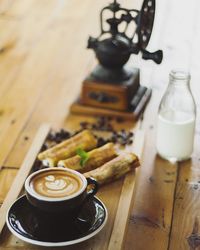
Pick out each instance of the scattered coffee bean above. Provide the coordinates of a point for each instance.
(130, 134)
(44, 147)
(59, 136)
(122, 137)
(130, 142)
(38, 166)
(84, 125)
(101, 141)
(119, 120)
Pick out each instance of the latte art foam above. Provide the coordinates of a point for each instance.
(56, 184)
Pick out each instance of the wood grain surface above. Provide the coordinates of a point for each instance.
(43, 60)
(121, 191)
(23, 172)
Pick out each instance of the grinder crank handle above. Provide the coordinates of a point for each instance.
(156, 56)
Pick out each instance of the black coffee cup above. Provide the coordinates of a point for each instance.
(70, 204)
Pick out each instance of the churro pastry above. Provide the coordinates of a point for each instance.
(115, 168)
(84, 140)
(96, 158)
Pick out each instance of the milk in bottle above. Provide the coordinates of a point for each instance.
(176, 119)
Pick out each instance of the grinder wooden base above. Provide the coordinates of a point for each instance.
(104, 93)
(138, 103)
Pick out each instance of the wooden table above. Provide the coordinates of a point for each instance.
(42, 63)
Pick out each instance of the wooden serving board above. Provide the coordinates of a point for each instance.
(117, 196)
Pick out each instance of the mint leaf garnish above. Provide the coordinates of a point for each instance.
(83, 155)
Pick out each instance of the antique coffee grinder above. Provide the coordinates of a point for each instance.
(113, 88)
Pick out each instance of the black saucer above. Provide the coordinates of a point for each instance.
(39, 228)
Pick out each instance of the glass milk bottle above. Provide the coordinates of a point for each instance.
(176, 119)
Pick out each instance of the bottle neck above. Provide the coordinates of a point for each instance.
(180, 78)
(178, 103)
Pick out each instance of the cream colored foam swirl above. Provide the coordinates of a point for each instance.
(56, 185)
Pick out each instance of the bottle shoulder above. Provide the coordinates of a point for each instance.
(178, 101)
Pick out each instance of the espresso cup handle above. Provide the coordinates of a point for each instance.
(94, 189)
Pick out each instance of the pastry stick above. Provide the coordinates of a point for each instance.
(96, 158)
(67, 148)
(115, 168)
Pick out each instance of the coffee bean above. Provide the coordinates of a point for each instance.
(119, 120)
(83, 124)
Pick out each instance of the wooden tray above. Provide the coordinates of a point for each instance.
(117, 197)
